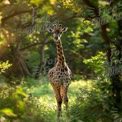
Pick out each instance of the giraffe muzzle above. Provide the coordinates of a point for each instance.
(56, 38)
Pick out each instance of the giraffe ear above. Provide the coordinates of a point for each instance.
(50, 30)
(64, 29)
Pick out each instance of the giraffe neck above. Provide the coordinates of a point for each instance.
(60, 53)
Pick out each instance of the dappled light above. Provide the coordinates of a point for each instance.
(60, 61)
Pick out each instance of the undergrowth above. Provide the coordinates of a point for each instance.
(34, 101)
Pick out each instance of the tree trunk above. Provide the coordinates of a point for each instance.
(42, 62)
(114, 78)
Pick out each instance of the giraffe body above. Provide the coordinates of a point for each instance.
(60, 75)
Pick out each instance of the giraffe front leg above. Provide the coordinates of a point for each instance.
(64, 96)
(58, 99)
(65, 99)
(59, 103)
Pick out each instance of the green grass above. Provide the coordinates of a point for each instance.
(44, 94)
(34, 101)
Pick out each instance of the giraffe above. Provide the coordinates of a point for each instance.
(60, 75)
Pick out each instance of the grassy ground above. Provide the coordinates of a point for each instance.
(34, 101)
(45, 95)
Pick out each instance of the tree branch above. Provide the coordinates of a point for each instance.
(15, 14)
(32, 45)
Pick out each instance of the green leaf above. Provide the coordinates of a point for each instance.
(4, 66)
(9, 112)
(36, 2)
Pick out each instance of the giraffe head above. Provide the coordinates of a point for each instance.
(57, 31)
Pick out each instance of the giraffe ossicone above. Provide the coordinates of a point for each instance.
(60, 75)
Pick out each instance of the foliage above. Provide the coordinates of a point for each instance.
(97, 64)
(4, 66)
(94, 101)
(26, 49)
(93, 105)
(18, 104)
(34, 100)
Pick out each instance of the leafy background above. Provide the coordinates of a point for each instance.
(27, 52)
